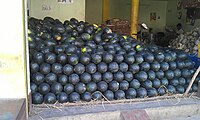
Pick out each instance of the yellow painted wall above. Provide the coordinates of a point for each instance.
(93, 11)
(12, 50)
(59, 11)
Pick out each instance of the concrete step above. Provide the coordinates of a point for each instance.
(154, 110)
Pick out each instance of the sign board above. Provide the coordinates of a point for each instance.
(65, 1)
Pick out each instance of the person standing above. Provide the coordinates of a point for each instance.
(179, 29)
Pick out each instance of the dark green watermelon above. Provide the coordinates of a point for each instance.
(85, 77)
(156, 83)
(91, 87)
(147, 84)
(151, 75)
(182, 81)
(97, 77)
(149, 58)
(102, 67)
(50, 98)
(145, 66)
(172, 65)
(185, 73)
(164, 66)
(160, 57)
(96, 58)
(107, 77)
(124, 85)
(56, 68)
(109, 95)
(181, 64)
(160, 74)
(73, 59)
(33, 87)
(164, 81)
(37, 98)
(155, 66)
(169, 74)
(44, 88)
(102, 86)
(177, 73)
(91, 68)
(34, 67)
(135, 68)
(45, 68)
(74, 79)
(161, 91)
(129, 59)
(141, 76)
(62, 58)
(59, 49)
(118, 58)
(119, 94)
(131, 93)
(79, 68)
(141, 92)
(50, 58)
(134, 84)
(113, 86)
(74, 97)
(118, 76)
(107, 57)
(97, 95)
(85, 59)
(68, 69)
(174, 82)
(139, 59)
(50, 78)
(37, 78)
(180, 89)
(80, 88)
(56, 88)
(113, 67)
(62, 97)
(123, 67)
(68, 88)
(38, 57)
(128, 76)
(152, 92)
(63, 79)
(86, 96)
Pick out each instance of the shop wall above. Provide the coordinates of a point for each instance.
(172, 12)
(93, 11)
(57, 10)
(172, 18)
(121, 9)
(158, 7)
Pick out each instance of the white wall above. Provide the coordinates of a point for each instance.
(60, 11)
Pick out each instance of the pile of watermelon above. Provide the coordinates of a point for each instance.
(77, 61)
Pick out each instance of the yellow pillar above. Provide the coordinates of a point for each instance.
(198, 50)
(105, 10)
(134, 18)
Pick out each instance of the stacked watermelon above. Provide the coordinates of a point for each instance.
(77, 61)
